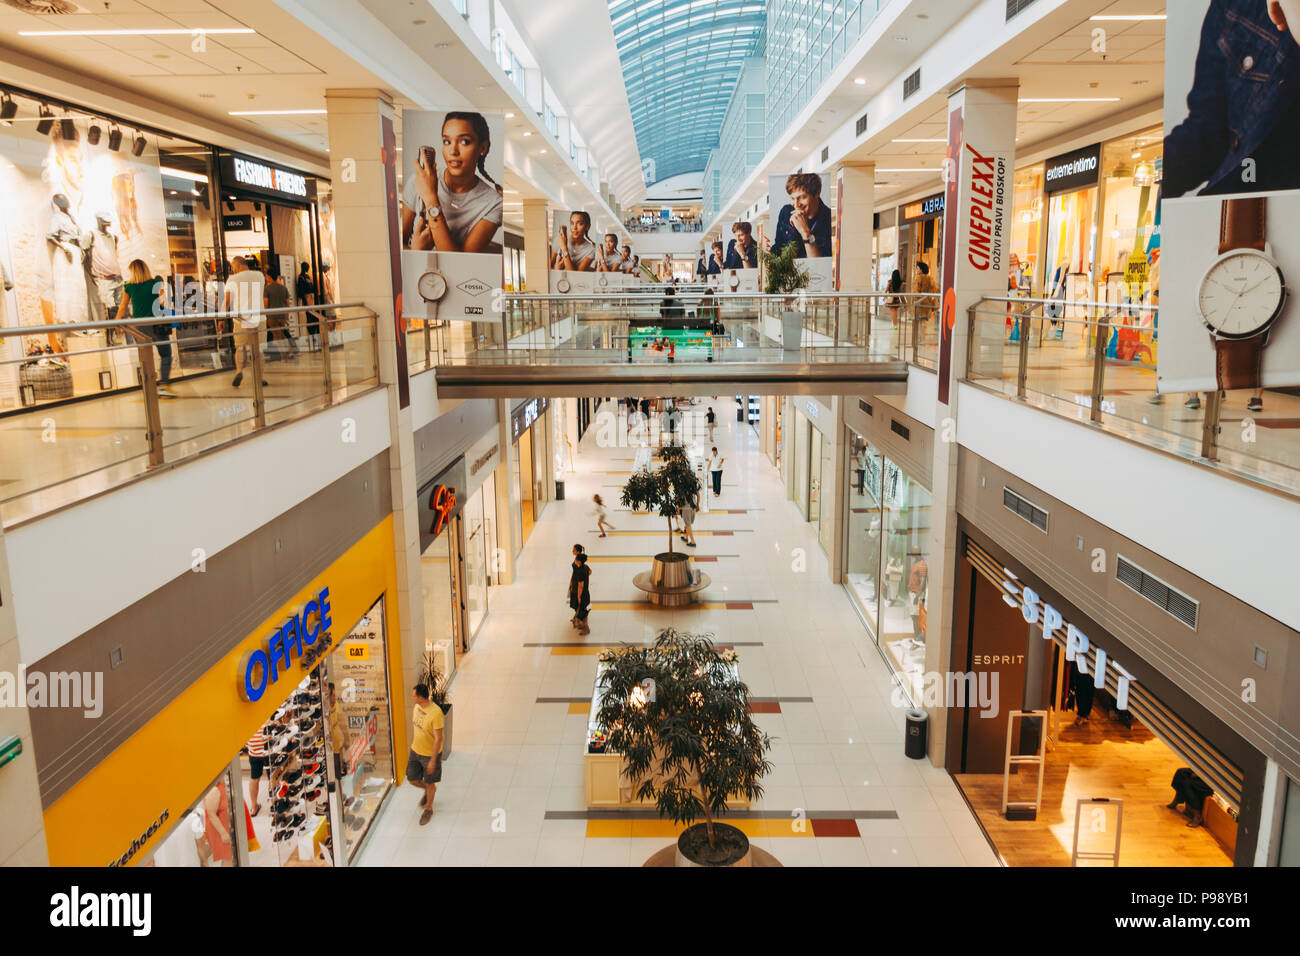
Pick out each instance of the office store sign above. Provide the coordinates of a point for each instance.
(304, 635)
(1037, 611)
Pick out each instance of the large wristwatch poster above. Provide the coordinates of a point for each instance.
(1230, 196)
(451, 205)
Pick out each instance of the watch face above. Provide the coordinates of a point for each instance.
(562, 285)
(603, 281)
(1241, 294)
(432, 286)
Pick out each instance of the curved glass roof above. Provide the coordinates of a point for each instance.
(681, 60)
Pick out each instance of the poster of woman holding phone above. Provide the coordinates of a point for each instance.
(451, 213)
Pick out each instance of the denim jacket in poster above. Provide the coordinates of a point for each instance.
(1243, 105)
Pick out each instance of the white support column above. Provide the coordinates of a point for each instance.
(361, 210)
(856, 190)
(537, 228)
(22, 838)
(979, 173)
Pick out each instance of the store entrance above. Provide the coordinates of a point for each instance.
(1092, 747)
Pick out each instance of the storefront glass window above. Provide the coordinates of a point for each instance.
(1071, 251)
(328, 246)
(204, 836)
(887, 524)
(1026, 229)
(357, 707)
(906, 526)
(1130, 181)
(477, 555)
(74, 216)
(435, 578)
(863, 522)
(814, 475)
(801, 437)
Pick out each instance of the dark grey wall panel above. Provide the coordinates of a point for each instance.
(438, 443)
(172, 636)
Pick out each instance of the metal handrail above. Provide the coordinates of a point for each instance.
(1025, 300)
(1211, 426)
(60, 327)
(721, 296)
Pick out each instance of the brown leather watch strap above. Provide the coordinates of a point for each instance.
(1241, 224)
(1237, 362)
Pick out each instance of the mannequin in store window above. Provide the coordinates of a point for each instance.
(894, 567)
(918, 581)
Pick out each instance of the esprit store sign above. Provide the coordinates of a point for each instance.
(1036, 611)
(250, 173)
(299, 634)
(442, 502)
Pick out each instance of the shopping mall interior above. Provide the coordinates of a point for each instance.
(809, 359)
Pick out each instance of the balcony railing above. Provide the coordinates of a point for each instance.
(1096, 362)
(92, 418)
(567, 329)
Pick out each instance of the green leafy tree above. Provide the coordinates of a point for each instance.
(680, 719)
(665, 489)
(784, 277)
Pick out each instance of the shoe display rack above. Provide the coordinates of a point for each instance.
(296, 751)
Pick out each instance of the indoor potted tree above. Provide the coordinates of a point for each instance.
(784, 277)
(431, 675)
(679, 716)
(663, 491)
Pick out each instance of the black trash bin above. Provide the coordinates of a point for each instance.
(917, 727)
(559, 489)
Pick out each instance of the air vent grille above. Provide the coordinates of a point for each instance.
(826, 153)
(860, 126)
(1016, 6)
(912, 83)
(865, 406)
(901, 430)
(1035, 515)
(1169, 600)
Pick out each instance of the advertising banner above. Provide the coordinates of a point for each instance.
(978, 172)
(801, 214)
(1230, 197)
(574, 254)
(451, 213)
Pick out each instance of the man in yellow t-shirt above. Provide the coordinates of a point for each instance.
(424, 763)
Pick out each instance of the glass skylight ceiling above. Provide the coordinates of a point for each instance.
(681, 60)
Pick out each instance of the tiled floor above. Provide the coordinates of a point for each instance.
(841, 793)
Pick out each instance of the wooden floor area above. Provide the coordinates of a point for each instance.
(1102, 759)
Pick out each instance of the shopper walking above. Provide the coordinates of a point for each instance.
(580, 593)
(424, 763)
(687, 515)
(256, 767)
(276, 296)
(715, 469)
(712, 419)
(602, 516)
(245, 297)
(305, 289)
(145, 298)
(573, 579)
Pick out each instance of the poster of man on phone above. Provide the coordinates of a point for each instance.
(583, 264)
(451, 207)
(801, 215)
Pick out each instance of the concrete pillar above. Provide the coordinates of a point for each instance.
(22, 838)
(978, 175)
(362, 207)
(856, 191)
(537, 228)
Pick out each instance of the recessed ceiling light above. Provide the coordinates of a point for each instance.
(510, 116)
(542, 151)
(134, 33)
(922, 140)
(897, 170)
(276, 113)
(528, 132)
(1132, 18)
(860, 80)
(1070, 99)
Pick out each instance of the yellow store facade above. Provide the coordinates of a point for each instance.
(281, 754)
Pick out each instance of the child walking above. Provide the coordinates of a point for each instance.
(602, 516)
